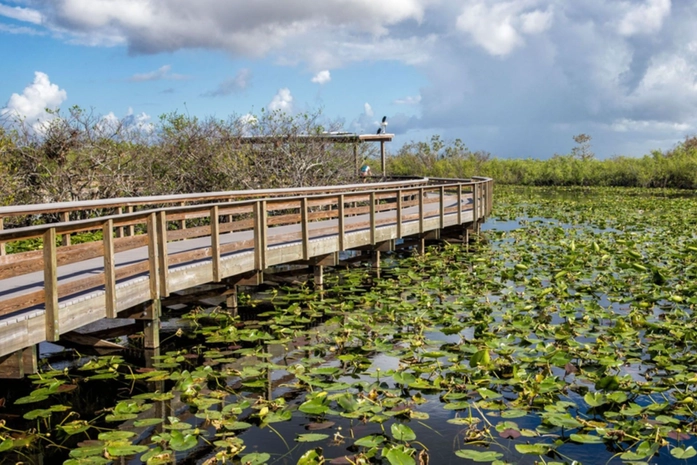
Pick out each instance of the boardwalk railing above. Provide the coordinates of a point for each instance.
(142, 257)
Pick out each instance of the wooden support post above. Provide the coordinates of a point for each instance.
(231, 300)
(459, 204)
(119, 230)
(3, 251)
(163, 266)
(109, 269)
(372, 217)
(422, 245)
(442, 207)
(65, 217)
(153, 260)
(475, 203)
(215, 243)
(342, 223)
(19, 364)
(421, 210)
(305, 228)
(383, 158)
(260, 235)
(376, 259)
(400, 205)
(318, 275)
(151, 326)
(51, 286)
(355, 158)
(131, 228)
(182, 222)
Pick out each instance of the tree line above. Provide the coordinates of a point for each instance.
(676, 168)
(83, 156)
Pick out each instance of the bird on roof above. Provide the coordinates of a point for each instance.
(384, 120)
(379, 130)
(384, 125)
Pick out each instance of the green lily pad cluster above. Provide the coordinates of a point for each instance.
(567, 335)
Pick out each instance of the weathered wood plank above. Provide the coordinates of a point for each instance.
(109, 270)
(51, 286)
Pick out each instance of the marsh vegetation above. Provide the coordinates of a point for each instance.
(567, 336)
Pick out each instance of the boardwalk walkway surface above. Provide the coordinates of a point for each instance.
(147, 255)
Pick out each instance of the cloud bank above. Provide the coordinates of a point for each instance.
(501, 74)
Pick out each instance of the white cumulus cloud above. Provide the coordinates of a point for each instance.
(499, 27)
(322, 77)
(32, 103)
(646, 18)
(282, 101)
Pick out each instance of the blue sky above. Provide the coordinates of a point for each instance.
(515, 78)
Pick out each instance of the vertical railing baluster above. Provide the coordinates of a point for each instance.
(119, 230)
(304, 224)
(215, 243)
(442, 207)
(342, 223)
(3, 251)
(109, 269)
(372, 218)
(260, 235)
(65, 217)
(51, 286)
(399, 213)
(162, 253)
(131, 228)
(459, 203)
(153, 260)
(421, 210)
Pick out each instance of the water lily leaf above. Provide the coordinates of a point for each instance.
(158, 456)
(38, 413)
(255, 458)
(608, 383)
(181, 442)
(370, 441)
(586, 438)
(402, 432)
(480, 358)
(510, 433)
(147, 422)
(645, 449)
(312, 457)
(533, 449)
(6, 444)
(683, 454)
(595, 399)
(236, 425)
(320, 426)
(75, 427)
(116, 435)
(125, 450)
(478, 456)
(311, 437)
(87, 451)
(397, 456)
(30, 399)
(513, 413)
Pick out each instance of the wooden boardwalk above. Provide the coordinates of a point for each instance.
(144, 256)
